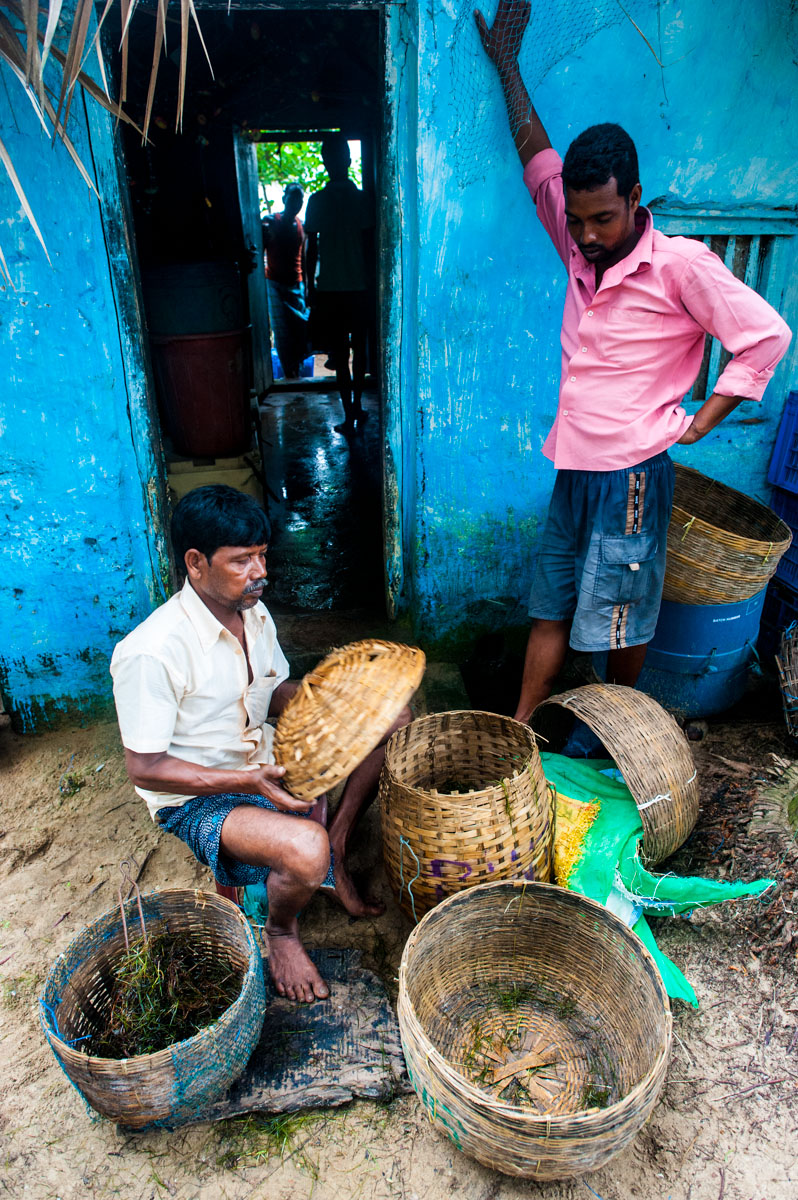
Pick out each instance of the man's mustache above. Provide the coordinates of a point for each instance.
(256, 586)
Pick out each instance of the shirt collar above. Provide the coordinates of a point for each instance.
(639, 256)
(208, 629)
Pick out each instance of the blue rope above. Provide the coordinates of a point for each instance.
(402, 843)
(57, 1031)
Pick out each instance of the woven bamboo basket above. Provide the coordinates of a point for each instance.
(650, 750)
(341, 711)
(787, 664)
(464, 800)
(173, 1085)
(507, 966)
(723, 546)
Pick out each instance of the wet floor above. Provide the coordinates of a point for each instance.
(324, 503)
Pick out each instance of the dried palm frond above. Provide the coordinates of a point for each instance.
(28, 33)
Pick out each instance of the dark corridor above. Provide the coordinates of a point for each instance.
(287, 70)
(324, 505)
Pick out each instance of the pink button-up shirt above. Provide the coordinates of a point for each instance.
(632, 349)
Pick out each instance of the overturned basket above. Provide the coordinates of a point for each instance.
(173, 1085)
(464, 800)
(648, 748)
(723, 546)
(535, 1026)
(341, 711)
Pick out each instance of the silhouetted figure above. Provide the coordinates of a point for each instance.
(284, 241)
(338, 224)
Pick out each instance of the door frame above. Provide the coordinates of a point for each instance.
(397, 228)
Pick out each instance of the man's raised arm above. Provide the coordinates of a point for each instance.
(502, 44)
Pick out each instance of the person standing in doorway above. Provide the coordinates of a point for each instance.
(339, 228)
(637, 309)
(284, 242)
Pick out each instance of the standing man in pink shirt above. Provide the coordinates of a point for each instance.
(638, 306)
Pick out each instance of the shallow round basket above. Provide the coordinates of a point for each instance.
(509, 974)
(723, 546)
(464, 800)
(650, 751)
(173, 1085)
(341, 711)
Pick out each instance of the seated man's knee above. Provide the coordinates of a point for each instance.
(312, 859)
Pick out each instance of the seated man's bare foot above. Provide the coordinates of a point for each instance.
(294, 975)
(348, 897)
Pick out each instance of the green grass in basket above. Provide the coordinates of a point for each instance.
(162, 993)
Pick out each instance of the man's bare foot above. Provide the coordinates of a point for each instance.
(294, 975)
(348, 897)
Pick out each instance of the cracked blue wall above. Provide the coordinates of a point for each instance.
(81, 555)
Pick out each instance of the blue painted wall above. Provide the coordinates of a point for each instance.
(474, 297)
(718, 127)
(81, 553)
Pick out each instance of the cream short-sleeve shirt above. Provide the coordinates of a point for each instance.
(181, 686)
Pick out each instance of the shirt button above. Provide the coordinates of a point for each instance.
(584, 349)
(573, 379)
(590, 312)
(565, 412)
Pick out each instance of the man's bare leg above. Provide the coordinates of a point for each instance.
(624, 666)
(545, 655)
(298, 855)
(360, 790)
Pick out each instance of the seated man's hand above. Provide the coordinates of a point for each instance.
(265, 783)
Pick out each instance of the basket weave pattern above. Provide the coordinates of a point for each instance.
(613, 1004)
(172, 1085)
(497, 826)
(341, 711)
(723, 546)
(651, 753)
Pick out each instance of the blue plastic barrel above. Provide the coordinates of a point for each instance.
(698, 660)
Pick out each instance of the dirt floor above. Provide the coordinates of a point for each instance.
(725, 1125)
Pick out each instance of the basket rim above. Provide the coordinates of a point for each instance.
(482, 1099)
(157, 1057)
(692, 474)
(446, 799)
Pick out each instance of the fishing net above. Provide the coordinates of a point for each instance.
(598, 833)
(554, 32)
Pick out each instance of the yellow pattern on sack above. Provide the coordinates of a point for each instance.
(573, 819)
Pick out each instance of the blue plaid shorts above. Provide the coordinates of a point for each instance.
(602, 556)
(199, 822)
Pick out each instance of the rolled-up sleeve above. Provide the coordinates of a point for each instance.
(543, 178)
(146, 702)
(745, 325)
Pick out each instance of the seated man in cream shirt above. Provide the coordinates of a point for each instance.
(193, 685)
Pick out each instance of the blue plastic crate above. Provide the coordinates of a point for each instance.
(779, 611)
(783, 470)
(785, 505)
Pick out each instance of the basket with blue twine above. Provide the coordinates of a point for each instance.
(174, 1085)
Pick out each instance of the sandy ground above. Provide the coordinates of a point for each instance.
(724, 1128)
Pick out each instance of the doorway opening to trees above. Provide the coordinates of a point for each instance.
(282, 79)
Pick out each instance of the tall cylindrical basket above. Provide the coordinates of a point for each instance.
(464, 801)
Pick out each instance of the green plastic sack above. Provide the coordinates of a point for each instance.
(598, 835)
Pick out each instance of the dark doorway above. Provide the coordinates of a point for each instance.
(195, 199)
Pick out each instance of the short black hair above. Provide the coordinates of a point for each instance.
(291, 188)
(217, 515)
(598, 154)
